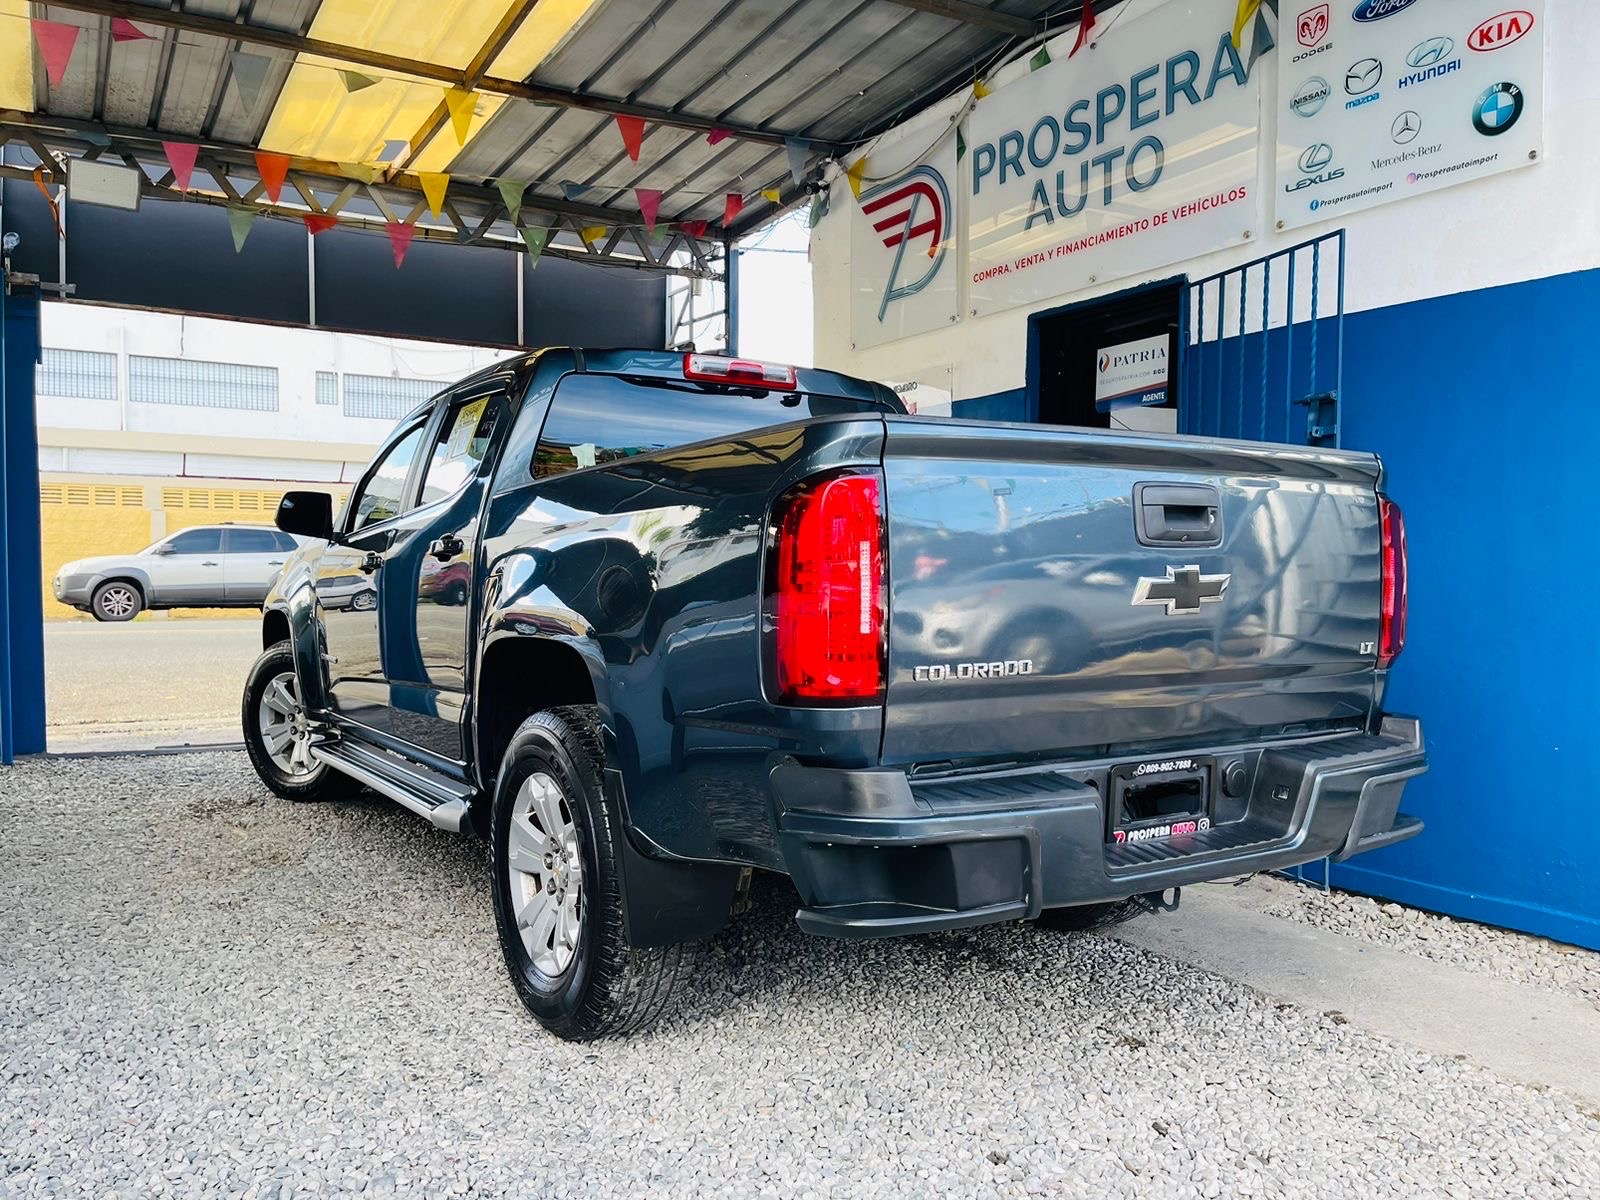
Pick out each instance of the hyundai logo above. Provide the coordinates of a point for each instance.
(1377, 10)
(1315, 157)
(1363, 76)
(1425, 54)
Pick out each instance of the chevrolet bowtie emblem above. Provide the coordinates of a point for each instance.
(1182, 590)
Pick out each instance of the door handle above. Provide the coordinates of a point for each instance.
(446, 547)
(371, 561)
(274, 562)
(1177, 514)
(210, 563)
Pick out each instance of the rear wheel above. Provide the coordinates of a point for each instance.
(277, 732)
(117, 600)
(554, 846)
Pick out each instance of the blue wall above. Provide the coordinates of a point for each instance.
(1485, 409)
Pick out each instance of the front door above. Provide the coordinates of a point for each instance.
(186, 569)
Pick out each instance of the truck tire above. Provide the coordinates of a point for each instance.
(116, 600)
(554, 848)
(1081, 918)
(277, 736)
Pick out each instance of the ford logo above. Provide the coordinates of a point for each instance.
(1363, 76)
(1377, 10)
(1425, 54)
(1316, 157)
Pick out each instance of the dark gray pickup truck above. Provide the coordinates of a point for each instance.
(651, 621)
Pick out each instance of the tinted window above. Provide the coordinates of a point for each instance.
(603, 418)
(285, 542)
(197, 541)
(252, 541)
(380, 498)
(463, 441)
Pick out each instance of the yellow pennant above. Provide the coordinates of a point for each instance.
(1241, 18)
(979, 90)
(855, 173)
(592, 233)
(433, 185)
(461, 104)
(773, 194)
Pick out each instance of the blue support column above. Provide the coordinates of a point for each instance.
(730, 256)
(21, 595)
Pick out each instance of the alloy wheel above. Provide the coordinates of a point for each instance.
(546, 874)
(285, 730)
(118, 600)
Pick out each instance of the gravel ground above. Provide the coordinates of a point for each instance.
(205, 990)
(1500, 953)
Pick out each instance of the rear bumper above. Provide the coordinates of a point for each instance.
(875, 854)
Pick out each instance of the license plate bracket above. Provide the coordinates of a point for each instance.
(1159, 799)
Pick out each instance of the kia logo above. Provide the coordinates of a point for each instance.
(1363, 76)
(1315, 158)
(1377, 10)
(1501, 30)
(1312, 25)
(1425, 54)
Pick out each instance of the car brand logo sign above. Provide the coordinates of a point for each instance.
(1181, 590)
(1363, 76)
(1312, 25)
(1497, 109)
(1406, 127)
(1425, 54)
(1315, 158)
(912, 213)
(1309, 97)
(1500, 30)
(1377, 10)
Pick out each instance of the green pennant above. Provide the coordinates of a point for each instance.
(535, 237)
(239, 222)
(511, 191)
(1261, 42)
(1041, 59)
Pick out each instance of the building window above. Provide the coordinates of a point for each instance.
(327, 388)
(202, 384)
(385, 398)
(79, 374)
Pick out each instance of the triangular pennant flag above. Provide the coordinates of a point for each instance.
(632, 130)
(718, 135)
(855, 173)
(535, 237)
(462, 104)
(400, 235)
(49, 199)
(273, 169)
(1041, 59)
(1241, 18)
(961, 144)
(55, 40)
(573, 191)
(319, 222)
(1085, 27)
(819, 209)
(649, 206)
(1261, 43)
(360, 172)
(249, 75)
(433, 184)
(732, 205)
(180, 157)
(773, 194)
(695, 229)
(355, 81)
(796, 149)
(239, 221)
(511, 196)
(393, 149)
(980, 89)
(124, 30)
(592, 233)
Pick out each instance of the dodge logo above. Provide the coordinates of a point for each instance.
(1181, 590)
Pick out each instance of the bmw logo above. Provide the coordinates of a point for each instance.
(1425, 54)
(1497, 109)
(1316, 157)
(1363, 76)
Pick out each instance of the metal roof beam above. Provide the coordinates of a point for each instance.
(969, 13)
(450, 76)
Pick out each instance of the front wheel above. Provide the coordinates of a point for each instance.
(277, 732)
(554, 846)
(116, 601)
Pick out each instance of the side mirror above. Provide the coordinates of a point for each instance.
(306, 514)
(164, 548)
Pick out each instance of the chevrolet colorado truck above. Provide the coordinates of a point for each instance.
(650, 621)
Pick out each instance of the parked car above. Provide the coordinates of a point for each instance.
(719, 616)
(204, 566)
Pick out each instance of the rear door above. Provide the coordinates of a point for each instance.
(252, 558)
(186, 569)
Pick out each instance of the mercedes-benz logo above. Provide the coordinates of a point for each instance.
(1315, 157)
(1406, 127)
(1363, 76)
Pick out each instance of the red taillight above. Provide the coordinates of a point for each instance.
(828, 590)
(713, 368)
(1392, 632)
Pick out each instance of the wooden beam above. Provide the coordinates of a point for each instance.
(969, 13)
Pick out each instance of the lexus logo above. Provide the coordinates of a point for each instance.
(1315, 157)
(1181, 590)
(1425, 54)
(1406, 127)
(1363, 76)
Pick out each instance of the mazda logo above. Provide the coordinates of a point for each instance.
(1363, 76)
(1316, 157)
(1425, 54)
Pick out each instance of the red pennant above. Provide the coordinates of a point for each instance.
(731, 207)
(400, 239)
(319, 222)
(181, 156)
(717, 135)
(1084, 26)
(649, 206)
(695, 229)
(124, 30)
(632, 130)
(273, 169)
(56, 41)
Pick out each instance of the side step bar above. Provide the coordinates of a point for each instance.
(441, 800)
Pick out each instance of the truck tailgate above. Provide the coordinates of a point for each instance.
(1036, 609)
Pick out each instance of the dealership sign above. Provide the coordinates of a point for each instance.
(1384, 99)
(1131, 374)
(1137, 152)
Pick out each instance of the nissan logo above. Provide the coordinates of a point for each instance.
(1315, 158)
(1425, 54)
(1363, 76)
(1309, 97)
